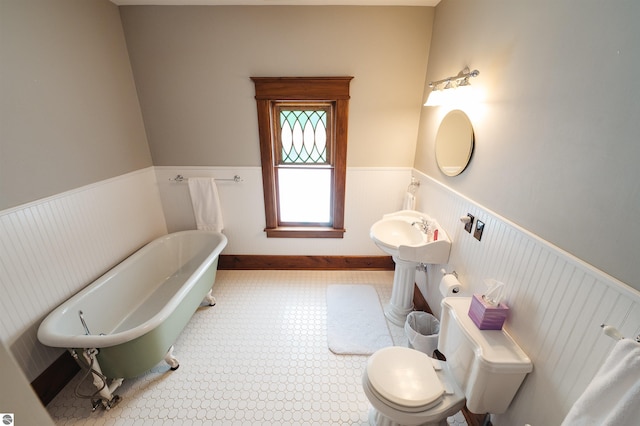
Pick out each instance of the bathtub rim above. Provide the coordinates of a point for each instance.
(48, 336)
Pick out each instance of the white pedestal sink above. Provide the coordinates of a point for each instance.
(400, 235)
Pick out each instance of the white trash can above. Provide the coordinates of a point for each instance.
(422, 331)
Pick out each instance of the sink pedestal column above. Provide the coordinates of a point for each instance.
(402, 292)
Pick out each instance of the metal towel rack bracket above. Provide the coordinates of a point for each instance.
(180, 178)
(613, 332)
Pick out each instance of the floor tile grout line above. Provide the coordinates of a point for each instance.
(244, 362)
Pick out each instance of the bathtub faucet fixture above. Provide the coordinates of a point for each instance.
(104, 395)
(84, 324)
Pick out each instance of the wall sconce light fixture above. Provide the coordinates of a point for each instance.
(459, 84)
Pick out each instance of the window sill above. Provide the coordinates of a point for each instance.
(304, 232)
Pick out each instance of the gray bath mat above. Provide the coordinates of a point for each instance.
(355, 322)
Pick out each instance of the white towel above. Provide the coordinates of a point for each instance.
(409, 202)
(206, 204)
(613, 396)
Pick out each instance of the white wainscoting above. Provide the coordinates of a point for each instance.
(371, 192)
(52, 248)
(557, 302)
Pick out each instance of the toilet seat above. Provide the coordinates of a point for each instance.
(404, 378)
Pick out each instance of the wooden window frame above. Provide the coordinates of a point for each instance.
(270, 91)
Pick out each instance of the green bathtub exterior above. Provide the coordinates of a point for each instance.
(139, 355)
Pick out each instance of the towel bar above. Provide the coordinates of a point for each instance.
(180, 178)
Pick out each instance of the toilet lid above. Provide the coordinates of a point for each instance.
(404, 376)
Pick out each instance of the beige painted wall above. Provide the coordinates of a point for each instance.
(192, 67)
(69, 114)
(557, 136)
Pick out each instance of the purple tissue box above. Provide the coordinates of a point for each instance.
(486, 316)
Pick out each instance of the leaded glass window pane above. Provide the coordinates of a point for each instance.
(303, 136)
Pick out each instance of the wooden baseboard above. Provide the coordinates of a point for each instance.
(419, 302)
(329, 263)
(55, 377)
(475, 419)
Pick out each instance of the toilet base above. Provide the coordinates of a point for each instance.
(382, 414)
(378, 419)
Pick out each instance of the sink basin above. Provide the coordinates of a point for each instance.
(389, 234)
(395, 235)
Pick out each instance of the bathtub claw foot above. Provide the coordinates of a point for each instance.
(95, 403)
(112, 403)
(210, 299)
(171, 360)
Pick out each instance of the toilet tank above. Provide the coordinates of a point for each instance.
(487, 364)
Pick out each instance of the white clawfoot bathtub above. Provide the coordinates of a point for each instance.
(134, 313)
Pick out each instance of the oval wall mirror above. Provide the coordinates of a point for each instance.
(454, 143)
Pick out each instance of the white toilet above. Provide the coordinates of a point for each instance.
(484, 368)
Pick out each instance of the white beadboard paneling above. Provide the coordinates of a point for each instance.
(51, 248)
(370, 193)
(557, 302)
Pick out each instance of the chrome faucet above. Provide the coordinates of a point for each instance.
(423, 225)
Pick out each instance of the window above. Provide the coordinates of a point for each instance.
(303, 167)
(302, 124)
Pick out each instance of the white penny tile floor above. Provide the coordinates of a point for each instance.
(259, 357)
